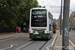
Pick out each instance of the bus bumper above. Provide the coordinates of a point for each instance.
(40, 36)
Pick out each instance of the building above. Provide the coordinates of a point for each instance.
(56, 21)
(72, 18)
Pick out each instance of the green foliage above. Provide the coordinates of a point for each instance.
(14, 13)
(41, 6)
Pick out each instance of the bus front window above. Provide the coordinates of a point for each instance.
(39, 18)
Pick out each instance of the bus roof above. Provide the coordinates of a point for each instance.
(38, 8)
(51, 16)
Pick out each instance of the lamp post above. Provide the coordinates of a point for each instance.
(61, 18)
(65, 35)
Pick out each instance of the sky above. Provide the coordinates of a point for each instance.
(54, 6)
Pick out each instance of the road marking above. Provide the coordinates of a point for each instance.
(52, 43)
(8, 38)
(71, 42)
(8, 47)
(24, 45)
(54, 40)
(11, 38)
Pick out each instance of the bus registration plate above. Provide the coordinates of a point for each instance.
(38, 37)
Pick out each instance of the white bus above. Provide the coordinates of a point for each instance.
(40, 26)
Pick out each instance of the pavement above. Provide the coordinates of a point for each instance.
(12, 34)
(58, 43)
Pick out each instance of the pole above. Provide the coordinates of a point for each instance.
(61, 18)
(65, 36)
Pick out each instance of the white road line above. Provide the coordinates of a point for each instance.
(24, 45)
(8, 47)
(54, 40)
(52, 43)
(71, 42)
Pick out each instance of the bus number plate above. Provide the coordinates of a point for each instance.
(38, 37)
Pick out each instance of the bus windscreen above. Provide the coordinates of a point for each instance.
(39, 18)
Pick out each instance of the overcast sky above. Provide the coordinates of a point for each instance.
(54, 6)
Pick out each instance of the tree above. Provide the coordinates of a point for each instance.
(14, 12)
(41, 6)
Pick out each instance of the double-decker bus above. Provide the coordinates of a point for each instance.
(39, 25)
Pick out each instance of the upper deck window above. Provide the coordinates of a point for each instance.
(39, 18)
(34, 12)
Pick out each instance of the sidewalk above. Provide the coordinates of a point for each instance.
(58, 43)
(12, 34)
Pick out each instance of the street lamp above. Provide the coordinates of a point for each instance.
(61, 17)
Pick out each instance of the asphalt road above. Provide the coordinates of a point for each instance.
(72, 36)
(11, 44)
(24, 43)
(40, 44)
(35, 46)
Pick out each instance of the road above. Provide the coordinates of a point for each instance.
(40, 44)
(72, 36)
(24, 43)
(11, 44)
